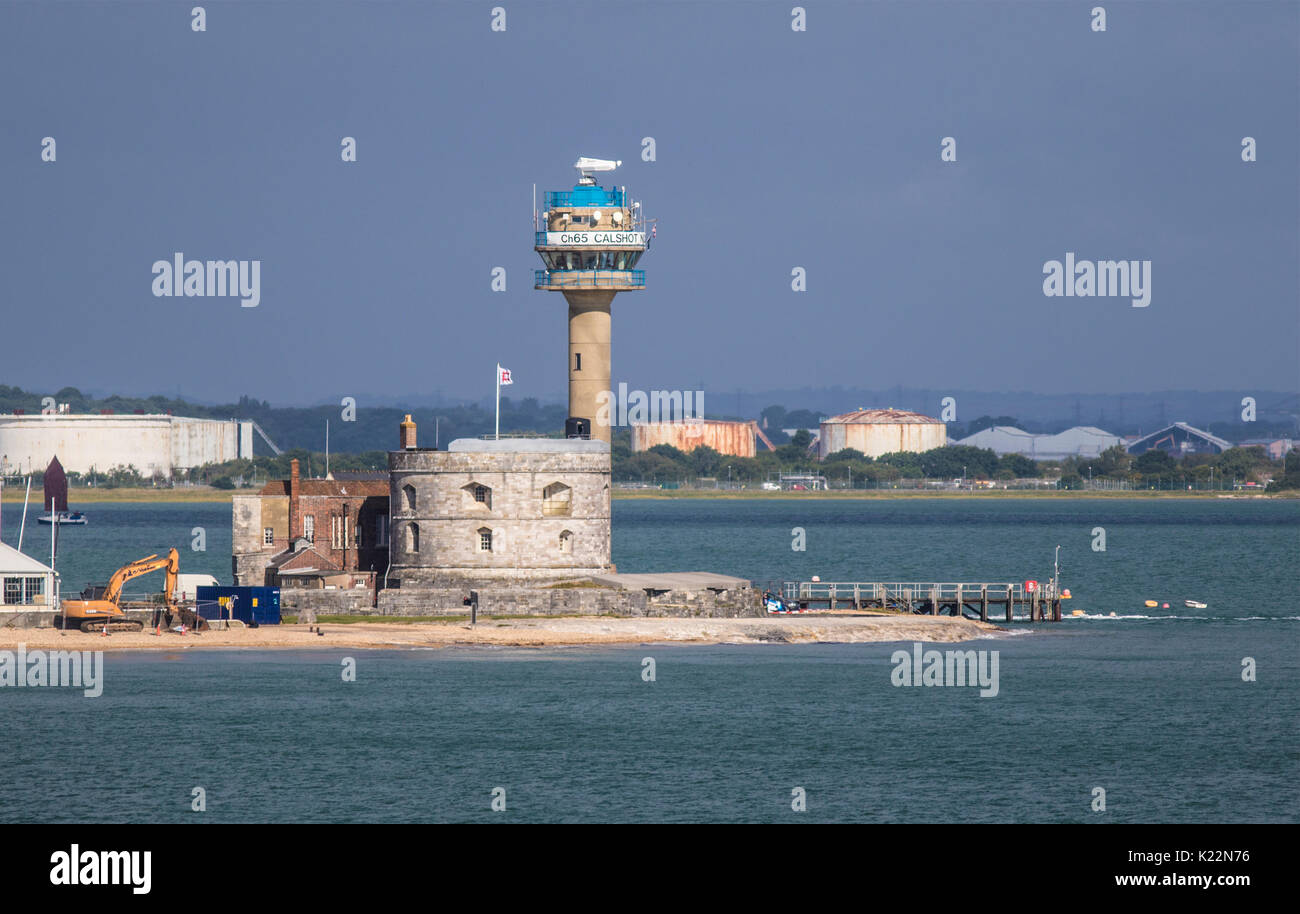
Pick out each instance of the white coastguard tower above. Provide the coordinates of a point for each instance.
(590, 238)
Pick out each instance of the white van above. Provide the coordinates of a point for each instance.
(187, 585)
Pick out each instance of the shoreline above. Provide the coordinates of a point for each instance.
(565, 631)
(79, 497)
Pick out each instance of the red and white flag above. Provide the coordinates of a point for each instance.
(503, 376)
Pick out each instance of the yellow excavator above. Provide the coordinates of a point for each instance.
(99, 606)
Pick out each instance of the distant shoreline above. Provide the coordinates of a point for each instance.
(201, 494)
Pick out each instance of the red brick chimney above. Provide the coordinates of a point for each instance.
(295, 516)
(406, 439)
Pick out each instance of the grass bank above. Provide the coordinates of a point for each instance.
(995, 494)
(79, 496)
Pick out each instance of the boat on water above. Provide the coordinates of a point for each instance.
(66, 518)
(1195, 604)
(1150, 604)
(55, 499)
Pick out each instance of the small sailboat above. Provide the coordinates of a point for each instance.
(66, 518)
(55, 499)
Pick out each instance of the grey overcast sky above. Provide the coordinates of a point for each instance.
(775, 149)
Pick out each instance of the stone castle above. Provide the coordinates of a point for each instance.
(498, 512)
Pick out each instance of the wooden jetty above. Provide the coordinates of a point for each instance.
(1039, 602)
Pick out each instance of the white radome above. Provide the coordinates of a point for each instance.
(586, 164)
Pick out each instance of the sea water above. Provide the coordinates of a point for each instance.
(1149, 705)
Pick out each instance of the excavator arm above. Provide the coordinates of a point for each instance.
(113, 592)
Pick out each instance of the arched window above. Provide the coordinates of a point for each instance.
(408, 498)
(557, 500)
(484, 539)
(566, 542)
(478, 495)
(412, 537)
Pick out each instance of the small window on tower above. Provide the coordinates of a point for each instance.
(268, 536)
(577, 361)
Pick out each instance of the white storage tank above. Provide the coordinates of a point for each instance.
(881, 431)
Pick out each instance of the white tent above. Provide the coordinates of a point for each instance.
(24, 582)
(1080, 441)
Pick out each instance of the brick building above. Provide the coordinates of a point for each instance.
(312, 532)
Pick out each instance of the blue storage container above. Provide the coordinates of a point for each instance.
(247, 604)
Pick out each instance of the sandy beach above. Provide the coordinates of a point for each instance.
(553, 632)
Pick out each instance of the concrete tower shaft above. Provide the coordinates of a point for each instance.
(589, 356)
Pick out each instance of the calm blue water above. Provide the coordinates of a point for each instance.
(1149, 705)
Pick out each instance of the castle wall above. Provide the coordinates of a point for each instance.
(545, 511)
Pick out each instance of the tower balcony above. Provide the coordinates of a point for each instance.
(584, 195)
(573, 280)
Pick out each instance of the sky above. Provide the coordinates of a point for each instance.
(774, 149)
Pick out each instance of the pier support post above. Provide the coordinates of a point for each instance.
(984, 604)
(1010, 603)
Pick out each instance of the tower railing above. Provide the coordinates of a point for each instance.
(590, 279)
(566, 198)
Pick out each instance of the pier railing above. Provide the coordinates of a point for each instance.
(913, 591)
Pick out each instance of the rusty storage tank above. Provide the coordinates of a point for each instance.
(880, 431)
(735, 439)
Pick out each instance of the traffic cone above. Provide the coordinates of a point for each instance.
(105, 633)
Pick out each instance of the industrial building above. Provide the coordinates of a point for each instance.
(1179, 440)
(875, 432)
(735, 439)
(1275, 448)
(153, 444)
(1080, 441)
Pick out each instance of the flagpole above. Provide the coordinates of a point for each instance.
(498, 432)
